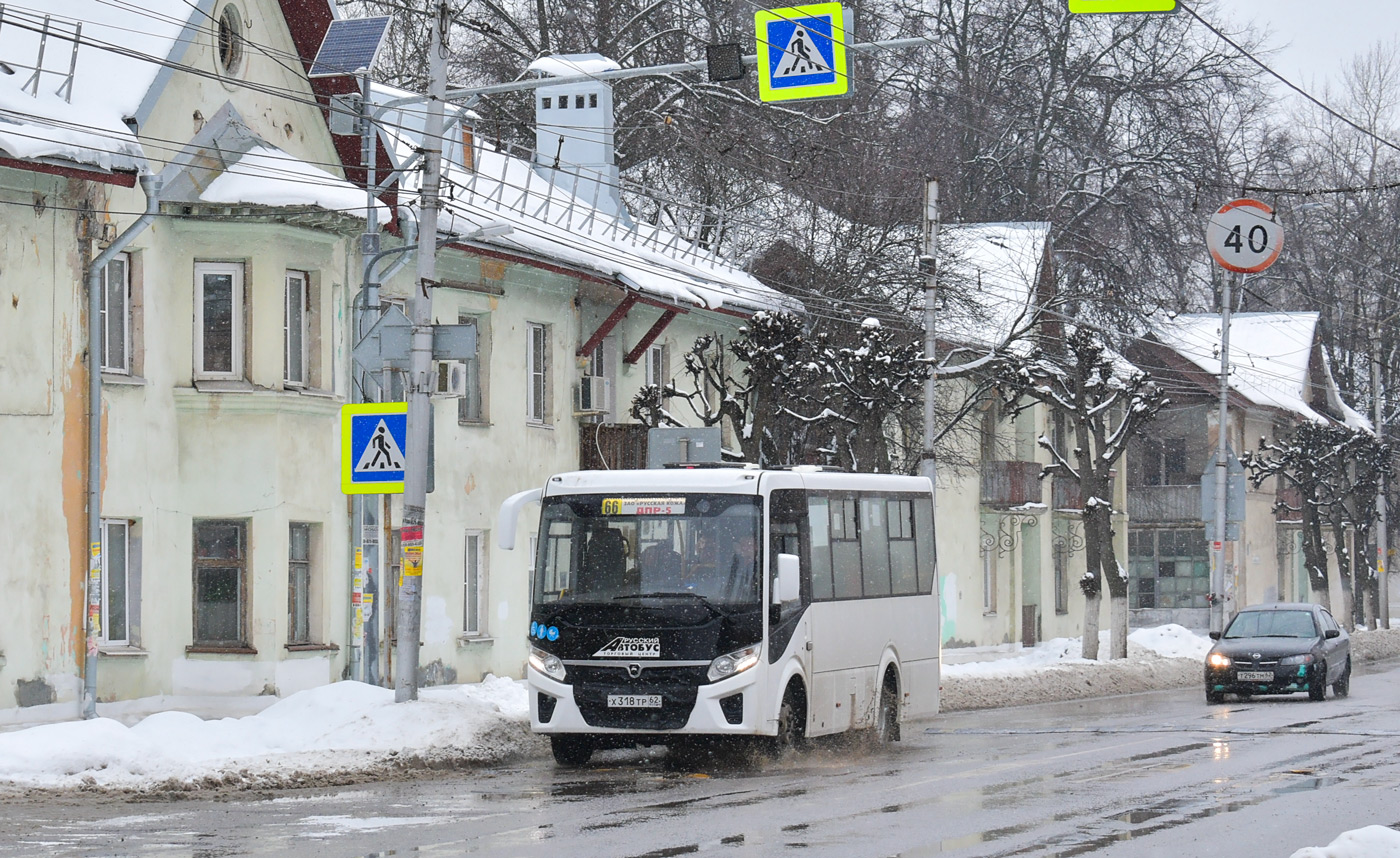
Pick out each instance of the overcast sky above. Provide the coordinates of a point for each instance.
(1320, 35)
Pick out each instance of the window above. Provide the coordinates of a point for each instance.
(656, 366)
(845, 547)
(474, 585)
(990, 549)
(903, 555)
(593, 99)
(299, 584)
(218, 320)
(230, 40)
(116, 315)
(1061, 559)
(1168, 569)
(546, 102)
(116, 582)
(537, 373)
(220, 583)
(472, 407)
(578, 102)
(297, 305)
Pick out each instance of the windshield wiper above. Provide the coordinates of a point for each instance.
(673, 594)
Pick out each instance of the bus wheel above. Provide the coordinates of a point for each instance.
(570, 750)
(792, 721)
(887, 718)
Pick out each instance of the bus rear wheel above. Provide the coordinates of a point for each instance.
(571, 750)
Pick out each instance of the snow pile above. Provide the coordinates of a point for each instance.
(1373, 841)
(332, 730)
(1169, 656)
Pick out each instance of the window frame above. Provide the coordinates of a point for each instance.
(303, 296)
(124, 366)
(655, 366)
(236, 271)
(299, 605)
(476, 379)
(107, 569)
(241, 564)
(537, 374)
(474, 582)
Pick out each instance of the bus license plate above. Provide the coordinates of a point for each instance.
(634, 701)
(1255, 676)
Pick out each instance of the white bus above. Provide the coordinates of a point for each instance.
(669, 604)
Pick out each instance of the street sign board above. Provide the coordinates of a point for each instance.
(801, 52)
(1244, 236)
(374, 437)
(386, 345)
(1092, 7)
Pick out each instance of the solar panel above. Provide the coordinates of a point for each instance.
(350, 46)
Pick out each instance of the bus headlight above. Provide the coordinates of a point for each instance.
(546, 663)
(734, 662)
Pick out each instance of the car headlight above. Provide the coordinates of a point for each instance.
(1305, 658)
(734, 662)
(547, 663)
(1215, 659)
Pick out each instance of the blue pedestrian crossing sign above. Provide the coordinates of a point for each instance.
(802, 52)
(373, 437)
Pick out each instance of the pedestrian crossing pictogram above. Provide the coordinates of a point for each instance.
(382, 453)
(800, 57)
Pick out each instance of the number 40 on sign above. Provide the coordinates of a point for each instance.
(1244, 236)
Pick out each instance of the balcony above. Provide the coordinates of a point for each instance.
(1153, 504)
(1066, 494)
(1293, 497)
(1008, 484)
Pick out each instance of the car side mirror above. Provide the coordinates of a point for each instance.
(785, 585)
(1332, 633)
(1215, 636)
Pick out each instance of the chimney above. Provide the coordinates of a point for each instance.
(574, 130)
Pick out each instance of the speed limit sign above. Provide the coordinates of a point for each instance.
(1244, 236)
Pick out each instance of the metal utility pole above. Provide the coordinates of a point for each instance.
(1382, 539)
(1222, 463)
(420, 313)
(928, 264)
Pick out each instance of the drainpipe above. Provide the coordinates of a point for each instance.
(151, 186)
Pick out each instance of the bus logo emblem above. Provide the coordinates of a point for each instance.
(625, 647)
(634, 670)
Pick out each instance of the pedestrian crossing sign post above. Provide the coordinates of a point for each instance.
(802, 52)
(373, 436)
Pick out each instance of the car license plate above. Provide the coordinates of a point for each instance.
(634, 701)
(1255, 676)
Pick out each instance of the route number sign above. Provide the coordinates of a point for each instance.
(1244, 236)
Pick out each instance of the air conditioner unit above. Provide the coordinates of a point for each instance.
(449, 378)
(592, 395)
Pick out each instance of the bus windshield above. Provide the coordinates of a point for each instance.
(617, 548)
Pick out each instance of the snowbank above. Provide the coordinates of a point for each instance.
(322, 733)
(1373, 841)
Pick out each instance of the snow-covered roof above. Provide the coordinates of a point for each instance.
(118, 59)
(1270, 358)
(266, 175)
(993, 269)
(551, 224)
(572, 65)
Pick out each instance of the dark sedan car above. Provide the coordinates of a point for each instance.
(1279, 649)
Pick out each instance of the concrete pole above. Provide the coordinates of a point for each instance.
(1382, 538)
(92, 636)
(420, 313)
(928, 263)
(1222, 466)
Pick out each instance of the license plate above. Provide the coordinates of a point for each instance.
(634, 701)
(1255, 676)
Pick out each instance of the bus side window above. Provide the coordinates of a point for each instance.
(902, 553)
(788, 534)
(874, 547)
(819, 515)
(923, 542)
(845, 546)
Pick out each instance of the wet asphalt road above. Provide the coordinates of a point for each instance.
(1159, 774)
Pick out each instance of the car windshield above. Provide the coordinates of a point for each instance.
(616, 549)
(1272, 624)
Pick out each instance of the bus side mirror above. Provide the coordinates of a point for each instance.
(785, 586)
